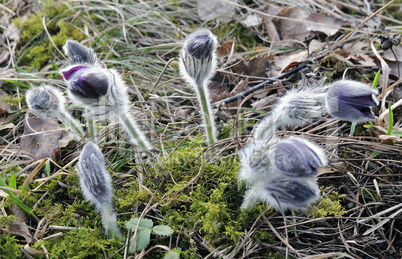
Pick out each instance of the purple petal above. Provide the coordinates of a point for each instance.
(68, 74)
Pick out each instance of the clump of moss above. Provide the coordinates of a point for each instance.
(330, 206)
(9, 247)
(40, 49)
(81, 243)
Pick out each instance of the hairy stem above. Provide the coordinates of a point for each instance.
(207, 115)
(108, 220)
(137, 137)
(69, 121)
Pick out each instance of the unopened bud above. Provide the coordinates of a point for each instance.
(296, 157)
(351, 101)
(197, 57)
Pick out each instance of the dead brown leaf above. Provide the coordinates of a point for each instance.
(294, 30)
(329, 23)
(41, 137)
(255, 67)
(225, 49)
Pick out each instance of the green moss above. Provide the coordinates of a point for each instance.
(7, 220)
(330, 206)
(81, 243)
(40, 49)
(9, 247)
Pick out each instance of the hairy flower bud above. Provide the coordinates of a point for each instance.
(45, 100)
(100, 90)
(96, 186)
(351, 101)
(78, 53)
(96, 183)
(88, 84)
(197, 57)
(296, 108)
(297, 157)
(281, 172)
(283, 193)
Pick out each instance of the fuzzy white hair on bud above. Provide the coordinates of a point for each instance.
(96, 186)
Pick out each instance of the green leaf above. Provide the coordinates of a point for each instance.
(13, 181)
(174, 254)
(162, 230)
(143, 239)
(376, 79)
(47, 167)
(144, 224)
(390, 119)
(17, 200)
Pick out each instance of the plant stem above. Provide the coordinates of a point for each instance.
(108, 220)
(352, 128)
(91, 127)
(206, 111)
(137, 137)
(66, 119)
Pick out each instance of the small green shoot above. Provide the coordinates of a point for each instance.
(390, 119)
(352, 128)
(376, 79)
(145, 228)
(14, 197)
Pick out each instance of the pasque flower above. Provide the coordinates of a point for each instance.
(100, 90)
(351, 101)
(90, 85)
(96, 186)
(48, 101)
(197, 64)
(281, 172)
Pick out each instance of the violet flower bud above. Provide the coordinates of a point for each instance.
(296, 157)
(351, 101)
(100, 90)
(96, 185)
(87, 83)
(197, 57)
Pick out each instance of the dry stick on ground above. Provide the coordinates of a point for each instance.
(322, 54)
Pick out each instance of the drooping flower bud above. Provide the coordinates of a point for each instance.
(87, 84)
(45, 101)
(283, 193)
(297, 157)
(281, 172)
(351, 101)
(198, 58)
(96, 185)
(102, 91)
